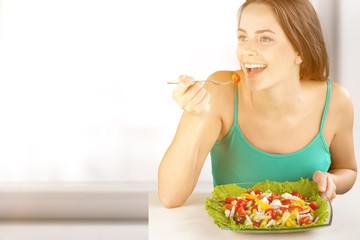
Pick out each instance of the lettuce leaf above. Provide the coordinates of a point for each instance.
(305, 187)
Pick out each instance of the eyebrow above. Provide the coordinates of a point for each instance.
(258, 31)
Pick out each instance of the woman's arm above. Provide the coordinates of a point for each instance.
(343, 170)
(198, 130)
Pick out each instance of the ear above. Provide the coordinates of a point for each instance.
(298, 59)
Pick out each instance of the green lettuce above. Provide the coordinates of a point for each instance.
(305, 187)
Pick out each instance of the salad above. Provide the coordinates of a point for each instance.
(268, 205)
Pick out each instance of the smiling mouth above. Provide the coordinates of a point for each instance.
(254, 68)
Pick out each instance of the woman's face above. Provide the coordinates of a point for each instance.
(264, 52)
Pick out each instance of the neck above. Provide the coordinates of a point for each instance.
(277, 101)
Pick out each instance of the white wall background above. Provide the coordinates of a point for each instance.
(82, 82)
(349, 52)
(83, 92)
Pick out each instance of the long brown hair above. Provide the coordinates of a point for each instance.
(301, 25)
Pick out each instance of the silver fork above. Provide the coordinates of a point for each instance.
(210, 81)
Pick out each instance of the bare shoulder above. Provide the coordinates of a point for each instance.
(341, 105)
(340, 97)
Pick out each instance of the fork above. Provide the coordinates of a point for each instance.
(210, 81)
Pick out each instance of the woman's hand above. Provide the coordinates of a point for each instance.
(192, 97)
(326, 185)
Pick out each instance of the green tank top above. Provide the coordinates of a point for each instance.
(235, 160)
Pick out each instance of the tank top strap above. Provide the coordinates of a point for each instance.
(327, 101)
(323, 119)
(235, 104)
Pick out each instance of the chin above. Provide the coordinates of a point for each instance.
(255, 84)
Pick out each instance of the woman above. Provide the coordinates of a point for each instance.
(284, 121)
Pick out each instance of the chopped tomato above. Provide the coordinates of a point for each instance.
(314, 205)
(271, 212)
(239, 220)
(295, 193)
(228, 206)
(255, 207)
(256, 224)
(295, 207)
(283, 209)
(286, 202)
(304, 220)
(303, 197)
(240, 203)
(273, 197)
(230, 199)
(241, 212)
(258, 192)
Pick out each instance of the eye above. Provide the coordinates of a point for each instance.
(265, 39)
(242, 38)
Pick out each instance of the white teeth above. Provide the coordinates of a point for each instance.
(254, 65)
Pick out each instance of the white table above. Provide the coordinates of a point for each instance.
(74, 210)
(73, 230)
(191, 221)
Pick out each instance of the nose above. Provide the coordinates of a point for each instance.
(248, 48)
(250, 52)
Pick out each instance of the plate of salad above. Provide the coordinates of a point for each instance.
(269, 207)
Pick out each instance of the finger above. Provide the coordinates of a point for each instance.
(330, 189)
(184, 83)
(199, 96)
(194, 105)
(190, 93)
(320, 178)
(325, 197)
(207, 98)
(203, 106)
(326, 186)
(328, 195)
